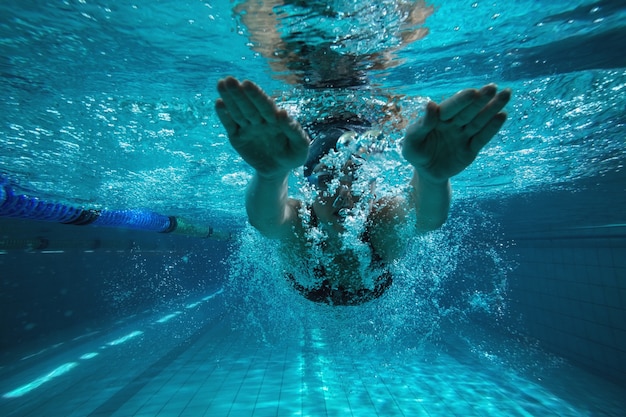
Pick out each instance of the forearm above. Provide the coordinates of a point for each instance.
(267, 204)
(431, 201)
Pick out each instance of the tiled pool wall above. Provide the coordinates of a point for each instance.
(569, 291)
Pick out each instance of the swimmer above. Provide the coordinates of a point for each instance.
(438, 146)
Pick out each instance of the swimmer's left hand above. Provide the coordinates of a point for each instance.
(448, 138)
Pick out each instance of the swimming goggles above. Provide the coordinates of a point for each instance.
(323, 178)
(358, 148)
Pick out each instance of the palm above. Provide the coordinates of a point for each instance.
(451, 134)
(265, 137)
(268, 148)
(439, 156)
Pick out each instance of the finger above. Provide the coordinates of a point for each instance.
(223, 114)
(225, 88)
(238, 97)
(261, 101)
(485, 116)
(468, 114)
(417, 132)
(431, 117)
(297, 138)
(483, 137)
(455, 104)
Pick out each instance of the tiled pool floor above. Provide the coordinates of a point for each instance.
(191, 363)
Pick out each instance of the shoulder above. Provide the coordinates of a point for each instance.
(388, 208)
(285, 227)
(385, 226)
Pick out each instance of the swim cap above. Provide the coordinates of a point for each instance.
(325, 135)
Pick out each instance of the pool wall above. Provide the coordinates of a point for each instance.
(59, 280)
(569, 291)
(568, 288)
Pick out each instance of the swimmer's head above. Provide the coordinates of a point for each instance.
(335, 196)
(331, 134)
(333, 177)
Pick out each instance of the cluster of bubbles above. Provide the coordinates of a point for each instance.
(391, 112)
(420, 307)
(137, 281)
(363, 152)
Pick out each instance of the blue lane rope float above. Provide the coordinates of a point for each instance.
(22, 206)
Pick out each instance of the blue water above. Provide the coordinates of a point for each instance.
(109, 105)
(124, 93)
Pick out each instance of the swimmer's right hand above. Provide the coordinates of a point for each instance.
(266, 137)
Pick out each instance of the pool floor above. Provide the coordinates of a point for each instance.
(190, 362)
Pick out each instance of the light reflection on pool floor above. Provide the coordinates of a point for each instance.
(194, 364)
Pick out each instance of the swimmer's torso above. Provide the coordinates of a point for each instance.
(329, 258)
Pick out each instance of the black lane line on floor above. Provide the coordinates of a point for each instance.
(133, 387)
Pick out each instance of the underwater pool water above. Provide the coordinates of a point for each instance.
(121, 96)
(109, 106)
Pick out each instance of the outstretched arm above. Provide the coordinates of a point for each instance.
(445, 142)
(440, 145)
(272, 143)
